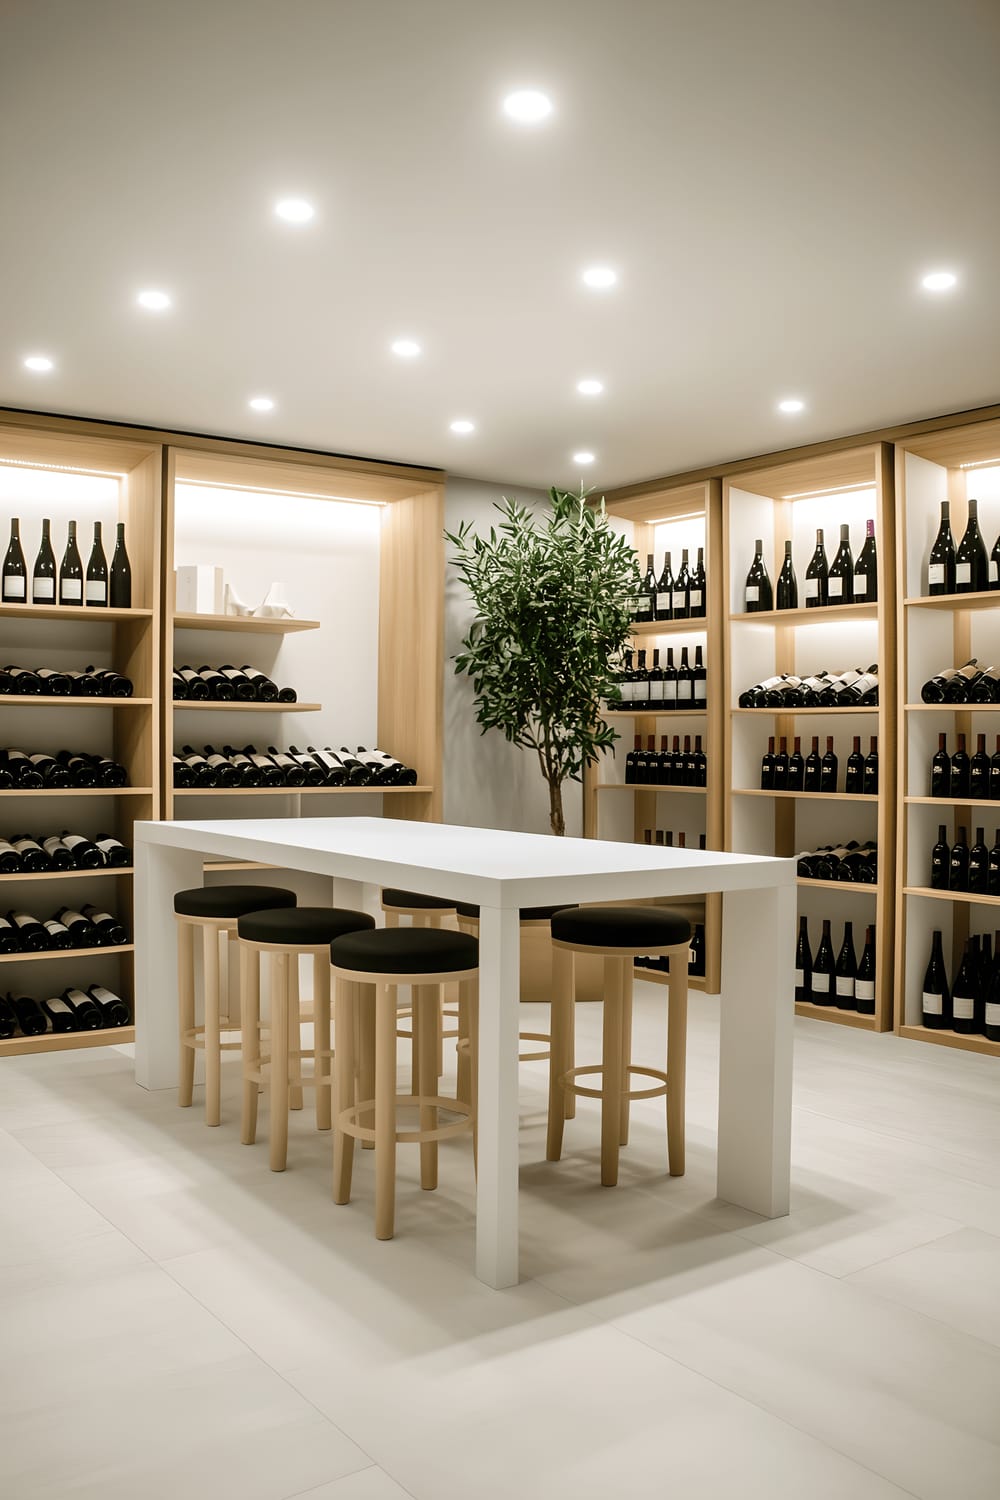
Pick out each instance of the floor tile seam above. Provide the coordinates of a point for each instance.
(884, 1134)
(843, 1275)
(304, 1494)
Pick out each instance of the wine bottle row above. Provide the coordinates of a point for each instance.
(784, 772)
(854, 688)
(228, 684)
(851, 863)
(663, 838)
(666, 767)
(31, 772)
(22, 854)
(249, 768)
(671, 597)
(841, 980)
(662, 689)
(969, 1005)
(92, 682)
(967, 684)
(696, 956)
(843, 581)
(93, 1009)
(961, 775)
(967, 569)
(97, 586)
(20, 932)
(957, 867)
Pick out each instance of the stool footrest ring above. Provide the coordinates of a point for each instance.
(347, 1119)
(574, 1088)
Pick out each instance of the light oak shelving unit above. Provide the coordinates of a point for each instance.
(956, 464)
(57, 469)
(667, 518)
(790, 500)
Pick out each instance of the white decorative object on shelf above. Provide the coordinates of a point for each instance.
(199, 590)
(234, 604)
(274, 605)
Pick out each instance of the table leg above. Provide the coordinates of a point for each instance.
(496, 1187)
(755, 1049)
(160, 872)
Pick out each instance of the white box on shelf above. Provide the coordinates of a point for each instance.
(199, 590)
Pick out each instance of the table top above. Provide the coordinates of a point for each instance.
(487, 866)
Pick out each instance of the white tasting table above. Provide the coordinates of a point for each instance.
(502, 872)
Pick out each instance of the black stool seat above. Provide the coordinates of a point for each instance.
(526, 914)
(229, 901)
(393, 897)
(303, 926)
(405, 950)
(631, 928)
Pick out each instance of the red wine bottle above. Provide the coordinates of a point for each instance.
(840, 579)
(828, 768)
(958, 863)
(96, 590)
(120, 578)
(963, 992)
(803, 963)
(61, 1015)
(817, 576)
(854, 772)
(787, 589)
(869, 785)
(696, 593)
(972, 572)
(941, 769)
(767, 766)
(14, 574)
(43, 574)
(979, 865)
(822, 970)
(846, 971)
(71, 571)
(864, 984)
(941, 564)
(936, 996)
(757, 594)
(941, 860)
(960, 770)
(866, 570)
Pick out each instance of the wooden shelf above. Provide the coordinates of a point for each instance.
(79, 791)
(851, 886)
(832, 1013)
(75, 612)
(647, 786)
(972, 802)
(946, 1038)
(655, 713)
(669, 627)
(296, 791)
(800, 712)
(200, 705)
(826, 615)
(45, 700)
(63, 953)
(988, 600)
(972, 897)
(67, 1041)
(242, 623)
(103, 872)
(952, 708)
(753, 791)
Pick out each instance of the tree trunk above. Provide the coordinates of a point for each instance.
(556, 820)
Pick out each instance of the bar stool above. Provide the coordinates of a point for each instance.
(215, 909)
(423, 911)
(367, 967)
(287, 935)
(619, 933)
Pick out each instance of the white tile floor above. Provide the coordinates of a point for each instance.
(177, 1321)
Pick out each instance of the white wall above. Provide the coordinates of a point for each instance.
(487, 782)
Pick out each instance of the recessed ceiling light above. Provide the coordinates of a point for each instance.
(791, 404)
(38, 362)
(600, 276)
(294, 210)
(153, 301)
(527, 106)
(406, 348)
(462, 425)
(261, 403)
(939, 281)
(583, 458)
(590, 387)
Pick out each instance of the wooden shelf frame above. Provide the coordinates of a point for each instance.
(198, 705)
(243, 624)
(761, 501)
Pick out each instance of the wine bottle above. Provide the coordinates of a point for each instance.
(120, 578)
(757, 594)
(828, 768)
(116, 854)
(941, 860)
(840, 580)
(767, 766)
(30, 1016)
(26, 776)
(272, 774)
(195, 684)
(936, 998)
(88, 1015)
(795, 777)
(963, 992)
(870, 781)
(993, 867)
(960, 770)
(934, 690)
(699, 764)
(71, 571)
(55, 684)
(864, 984)
(979, 865)
(779, 771)
(356, 772)
(663, 600)
(203, 775)
(111, 684)
(25, 682)
(822, 970)
(264, 689)
(681, 603)
(8, 1019)
(991, 1007)
(645, 766)
(640, 683)
(632, 760)
(660, 772)
(972, 573)
(108, 772)
(685, 682)
(243, 688)
(986, 687)
(10, 938)
(183, 776)
(866, 572)
(97, 573)
(960, 683)
(59, 935)
(817, 576)
(43, 574)
(941, 565)
(669, 688)
(32, 937)
(220, 689)
(34, 858)
(114, 1011)
(336, 771)
(846, 971)
(958, 863)
(646, 600)
(10, 861)
(14, 576)
(699, 689)
(84, 933)
(941, 769)
(696, 952)
(854, 771)
(812, 778)
(62, 1016)
(227, 775)
(112, 933)
(180, 687)
(995, 565)
(675, 765)
(803, 964)
(49, 772)
(979, 772)
(311, 768)
(250, 774)
(787, 591)
(654, 684)
(696, 593)
(83, 852)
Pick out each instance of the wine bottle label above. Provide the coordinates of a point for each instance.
(97, 592)
(72, 840)
(753, 593)
(685, 690)
(22, 919)
(800, 979)
(845, 986)
(812, 588)
(963, 1007)
(835, 587)
(864, 989)
(993, 1013)
(821, 983)
(71, 590)
(935, 573)
(963, 572)
(994, 570)
(43, 590)
(694, 598)
(14, 586)
(670, 691)
(99, 916)
(933, 1005)
(663, 600)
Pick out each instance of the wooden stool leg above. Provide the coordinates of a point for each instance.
(626, 1048)
(279, 1061)
(677, 1002)
(385, 1113)
(213, 1038)
(250, 1039)
(611, 1072)
(185, 1011)
(366, 1059)
(560, 1057)
(322, 1065)
(569, 1100)
(427, 1012)
(463, 1066)
(294, 1034)
(344, 1064)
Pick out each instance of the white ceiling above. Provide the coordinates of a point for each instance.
(771, 178)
